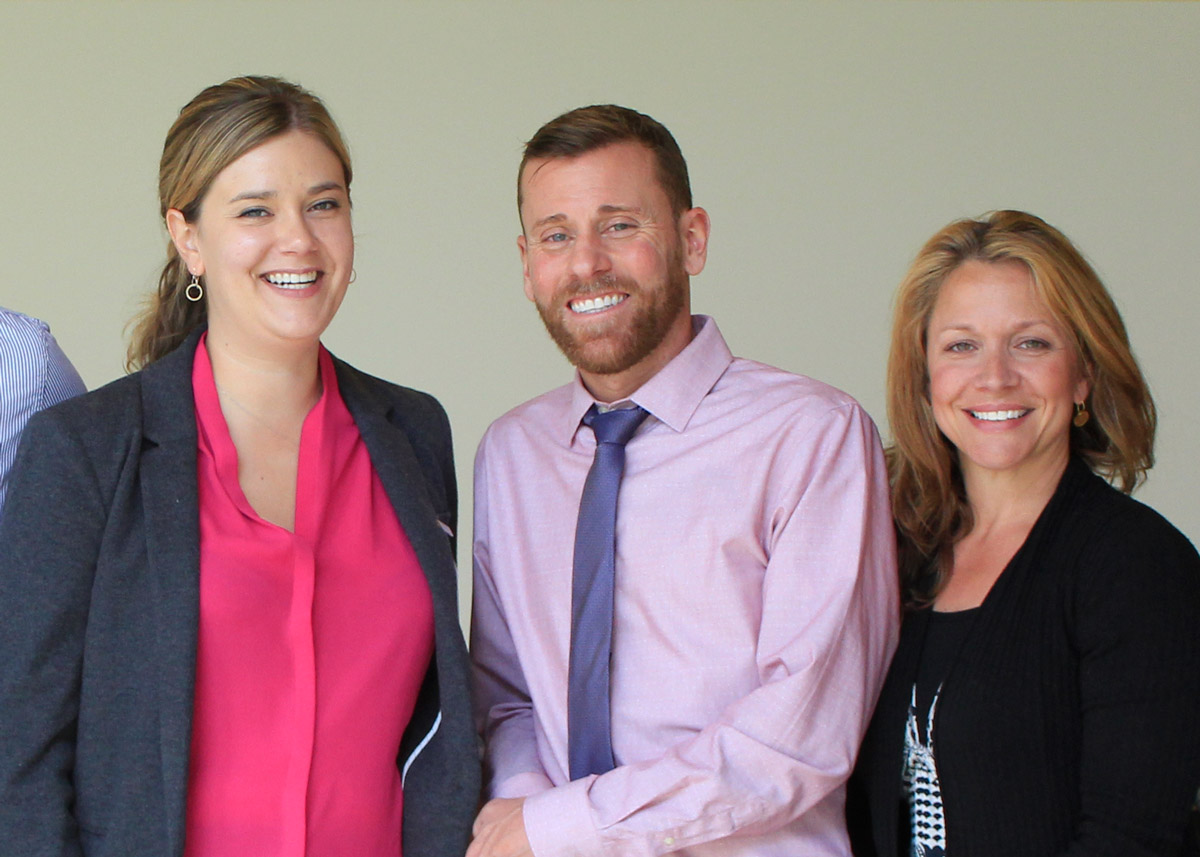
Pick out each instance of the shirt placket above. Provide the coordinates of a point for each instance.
(311, 484)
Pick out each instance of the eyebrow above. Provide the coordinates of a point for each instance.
(270, 194)
(1021, 325)
(553, 218)
(604, 209)
(253, 194)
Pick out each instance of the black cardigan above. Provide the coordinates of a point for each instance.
(99, 602)
(1070, 723)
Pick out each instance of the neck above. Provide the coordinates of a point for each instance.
(282, 384)
(618, 386)
(1003, 497)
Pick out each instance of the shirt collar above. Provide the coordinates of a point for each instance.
(675, 392)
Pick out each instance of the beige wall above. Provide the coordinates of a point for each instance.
(827, 140)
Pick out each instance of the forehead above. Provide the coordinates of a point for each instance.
(622, 174)
(293, 155)
(978, 290)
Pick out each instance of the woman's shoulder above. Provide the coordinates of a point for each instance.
(1114, 521)
(112, 423)
(1121, 557)
(93, 415)
(362, 387)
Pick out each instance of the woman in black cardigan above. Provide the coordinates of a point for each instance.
(1045, 696)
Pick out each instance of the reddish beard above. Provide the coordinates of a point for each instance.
(612, 348)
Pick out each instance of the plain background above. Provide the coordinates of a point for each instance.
(827, 140)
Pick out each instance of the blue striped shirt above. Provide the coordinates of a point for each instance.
(34, 374)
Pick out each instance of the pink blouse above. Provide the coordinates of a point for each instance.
(312, 648)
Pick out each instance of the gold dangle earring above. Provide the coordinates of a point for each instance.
(1081, 415)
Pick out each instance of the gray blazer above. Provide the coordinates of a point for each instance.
(99, 603)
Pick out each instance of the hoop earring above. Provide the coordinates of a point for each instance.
(1081, 415)
(194, 290)
(353, 275)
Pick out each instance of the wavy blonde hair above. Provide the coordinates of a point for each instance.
(928, 498)
(213, 130)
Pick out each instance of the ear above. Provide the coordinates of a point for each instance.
(183, 236)
(523, 247)
(693, 230)
(1084, 385)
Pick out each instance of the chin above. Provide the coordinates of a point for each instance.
(605, 359)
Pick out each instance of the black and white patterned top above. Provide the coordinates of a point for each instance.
(927, 821)
(945, 636)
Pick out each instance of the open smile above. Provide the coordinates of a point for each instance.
(1000, 416)
(292, 282)
(587, 306)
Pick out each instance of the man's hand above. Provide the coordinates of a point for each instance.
(499, 830)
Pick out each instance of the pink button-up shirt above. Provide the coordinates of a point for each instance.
(756, 610)
(312, 647)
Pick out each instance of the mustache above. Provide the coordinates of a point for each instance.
(602, 284)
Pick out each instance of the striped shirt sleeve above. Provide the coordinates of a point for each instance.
(34, 374)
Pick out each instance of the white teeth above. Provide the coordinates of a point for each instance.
(292, 281)
(997, 416)
(586, 305)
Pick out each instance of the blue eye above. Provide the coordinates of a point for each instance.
(555, 238)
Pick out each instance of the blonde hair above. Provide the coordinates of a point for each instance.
(213, 130)
(928, 498)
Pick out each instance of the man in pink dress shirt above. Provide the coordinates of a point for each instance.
(755, 603)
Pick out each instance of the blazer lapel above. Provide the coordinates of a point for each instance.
(170, 493)
(395, 461)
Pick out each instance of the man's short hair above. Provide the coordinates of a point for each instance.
(586, 129)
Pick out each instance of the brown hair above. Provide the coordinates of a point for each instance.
(928, 498)
(213, 130)
(586, 129)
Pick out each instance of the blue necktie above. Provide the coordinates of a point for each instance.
(589, 733)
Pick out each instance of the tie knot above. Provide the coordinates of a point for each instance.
(615, 426)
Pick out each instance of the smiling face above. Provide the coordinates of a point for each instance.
(607, 263)
(274, 244)
(1003, 374)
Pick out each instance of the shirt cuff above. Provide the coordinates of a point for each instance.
(522, 785)
(558, 822)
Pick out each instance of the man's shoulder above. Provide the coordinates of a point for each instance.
(773, 387)
(22, 334)
(536, 414)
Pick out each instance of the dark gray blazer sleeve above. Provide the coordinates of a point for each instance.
(49, 541)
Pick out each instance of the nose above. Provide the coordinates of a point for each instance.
(998, 371)
(295, 234)
(589, 258)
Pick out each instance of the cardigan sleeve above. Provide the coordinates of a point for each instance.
(51, 538)
(1137, 631)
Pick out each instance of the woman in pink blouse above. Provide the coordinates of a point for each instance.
(228, 621)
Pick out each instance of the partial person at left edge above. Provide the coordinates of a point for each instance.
(34, 374)
(228, 618)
